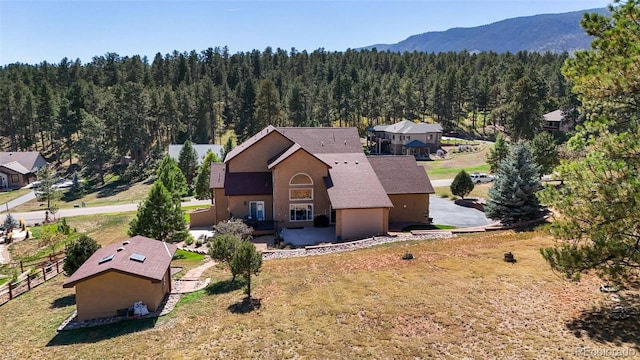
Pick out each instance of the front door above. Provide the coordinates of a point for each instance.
(256, 210)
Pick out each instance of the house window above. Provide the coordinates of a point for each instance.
(394, 137)
(300, 194)
(301, 212)
(300, 179)
(408, 137)
(430, 136)
(256, 210)
(15, 179)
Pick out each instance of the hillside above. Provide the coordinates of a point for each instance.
(555, 33)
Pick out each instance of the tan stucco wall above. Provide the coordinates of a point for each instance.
(103, 295)
(221, 205)
(300, 162)
(257, 156)
(239, 205)
(361, 223)
(416, 210)
(203, 217)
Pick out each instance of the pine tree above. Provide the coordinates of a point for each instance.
(46, 190)
(93, 145)
(513, 197)
(159, 217)
(545, 152)
(499, 152)
(171, 177)
(202, 189)
(188, 161)
(246, 261)
(462, 184)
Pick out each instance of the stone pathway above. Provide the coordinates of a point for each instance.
(191, 281)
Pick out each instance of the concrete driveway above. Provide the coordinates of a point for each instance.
(445, 212)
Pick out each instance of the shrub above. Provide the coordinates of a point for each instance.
(321, 221)
(188, 241)
(78, 252)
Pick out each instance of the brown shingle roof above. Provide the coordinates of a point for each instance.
(324, 140)
(352, 183)
(290, 151)
(157, 260)
(401, 175)
(217, 175)
(249, 142)
(16, 167)
(248, 183)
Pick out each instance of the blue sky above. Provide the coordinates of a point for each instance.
(36, 31)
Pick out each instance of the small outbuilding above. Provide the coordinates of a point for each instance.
(121, 274)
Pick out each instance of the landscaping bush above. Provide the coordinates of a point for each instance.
(321, 221)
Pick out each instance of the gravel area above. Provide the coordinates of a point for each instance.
(354, 245)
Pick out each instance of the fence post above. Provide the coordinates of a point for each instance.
(29, 281)
(44, 274)
(21, 268)
(57, 268)
(10, 293)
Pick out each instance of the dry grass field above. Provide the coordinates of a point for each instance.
(456, 300)
(450, 167)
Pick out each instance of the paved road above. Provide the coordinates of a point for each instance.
(33, 217)
(441, 182)
(445, 212)
(18, 201)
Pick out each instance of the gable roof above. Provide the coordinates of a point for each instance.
(29, 160)
(352, 183)
(290, 151)
(555, 116)
(201, 150)
(400, 174)
(323, 140)
(157, 259)
(409, 127)
(16, 167)
(249, 142)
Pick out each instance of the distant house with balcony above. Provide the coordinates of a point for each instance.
(555, 121)
(289, 176)
(18, 168)
(406, 138)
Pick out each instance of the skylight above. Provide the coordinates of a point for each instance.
(137, 257)
(106, 258)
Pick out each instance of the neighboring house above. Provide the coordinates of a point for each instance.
(18, 169)
(285, 177)
(555, 121)
(118, 275)
(407, 138)
(201, 150)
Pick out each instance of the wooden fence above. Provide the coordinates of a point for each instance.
(28, 280)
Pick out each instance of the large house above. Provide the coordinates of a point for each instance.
(285, 177)
(19, 168)
(406, 138)
(118, 275)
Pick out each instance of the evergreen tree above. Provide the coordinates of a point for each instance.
(188, 161)
(545, 152)
(462, 184)
(202, 189)
(228, 146)
(171, 177)
(599, 203)
(159, 217)
(513, 196)
(77, 252)
(246, 261)
(498, 153)
(46, 191)
(267, 105)
(93, 145)
(222, 249)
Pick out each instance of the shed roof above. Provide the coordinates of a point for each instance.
(400, 174)
(352, 183)
(157, 259)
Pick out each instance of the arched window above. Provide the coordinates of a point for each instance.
(300, 179)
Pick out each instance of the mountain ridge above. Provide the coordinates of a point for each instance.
(555, 33)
